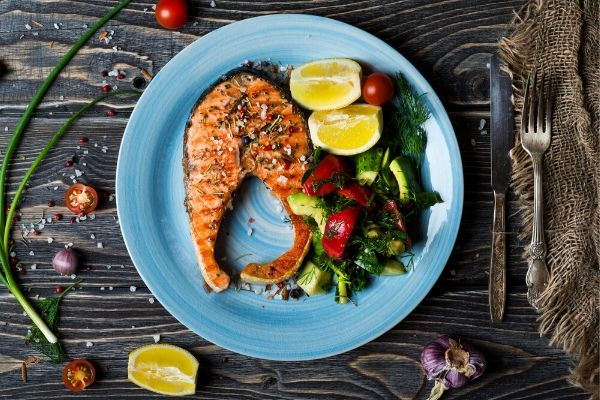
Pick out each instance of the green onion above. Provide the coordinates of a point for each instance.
(8, 279)
(5, 221)
(37, 98)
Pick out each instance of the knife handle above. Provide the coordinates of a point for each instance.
(497, 285)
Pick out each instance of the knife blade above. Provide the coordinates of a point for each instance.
(501, 141)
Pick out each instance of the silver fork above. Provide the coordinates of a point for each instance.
(535, 138)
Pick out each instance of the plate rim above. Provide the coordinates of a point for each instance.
(445, 126)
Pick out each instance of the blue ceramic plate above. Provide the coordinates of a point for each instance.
(154, 223)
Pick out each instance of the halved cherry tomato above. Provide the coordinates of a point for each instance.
(328, 168)
(81, 199)
(171, 14)
(338, 231)
(79, 374)
(360, 194)
(377, 89)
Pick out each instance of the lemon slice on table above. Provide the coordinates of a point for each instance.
(164, 369)
(347, 131)
(326, 84)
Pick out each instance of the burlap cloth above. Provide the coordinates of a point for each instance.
(561, 38)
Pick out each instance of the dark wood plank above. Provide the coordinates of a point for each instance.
(385, 368)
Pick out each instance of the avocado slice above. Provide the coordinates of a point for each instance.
(302, 204)
(405, 174)
(313, 280)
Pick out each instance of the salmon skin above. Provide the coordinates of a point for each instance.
(244, 125)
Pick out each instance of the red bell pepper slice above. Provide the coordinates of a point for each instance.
(338, 231)
(360, 194)
(327, 169)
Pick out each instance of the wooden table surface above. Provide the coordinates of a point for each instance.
(449, 41)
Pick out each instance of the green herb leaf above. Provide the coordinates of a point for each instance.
(315, 157)
(424, 200)
(48, 308)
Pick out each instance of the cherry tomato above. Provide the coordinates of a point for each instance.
(360, 194)
(79, 374)
(378, 89)
(171, 14)
(338, 231)
(81, 199)
(328, 168)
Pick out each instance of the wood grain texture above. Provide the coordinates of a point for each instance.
(449, 41)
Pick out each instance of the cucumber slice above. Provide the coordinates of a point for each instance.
(368, 165)
(302, 204)
(313, 280)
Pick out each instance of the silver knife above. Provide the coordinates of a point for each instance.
(501, 138)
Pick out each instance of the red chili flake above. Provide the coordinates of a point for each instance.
(251, 220)
(51, 203)
(35, 232)
(269, 117)
(59, 289)
(73, 220)
(254, 95)
(69, 163)
(285, 294)
(7, 209)
(120, 75)
(83, 139)
(111, 113)
(267, 147)
(292, 129)
(286, 164)
(104, 73)
(106, 88)
(280, 285)
(57, 217)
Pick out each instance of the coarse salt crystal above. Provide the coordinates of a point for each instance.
(50, 240)
(83, 217)
(89, 344)
(84, 164)
(70, 244)
(151, 300)
(302, 158)
(55, 187)
(92, 236)
(154, 6)
(92, 216)
(100, 245)
(31, 253)
(108, 266)
(61, 97)
(156, 338)
(33, 267)
(13, 254)
(85, 26)
(28, 27)
(249, 232)
(481, 124)
(145, 10)
(282, 179)
(213, 4)
(110, 288)
(56, 26)
(49, 220)
(132, 288)
(73, 276)
(78, 173)
(115, 48)
(6, 129)
(101, 287)
(85, 152)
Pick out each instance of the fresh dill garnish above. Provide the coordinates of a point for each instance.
(410, 138)
(48, 309)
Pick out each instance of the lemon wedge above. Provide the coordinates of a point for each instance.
(347, 131)
(164, 369)
(326, 84)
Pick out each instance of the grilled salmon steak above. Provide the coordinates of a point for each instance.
(244, 125)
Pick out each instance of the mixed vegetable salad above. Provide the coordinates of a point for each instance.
(362, 206)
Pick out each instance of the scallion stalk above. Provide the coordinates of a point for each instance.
(8, 278)
(37, 98)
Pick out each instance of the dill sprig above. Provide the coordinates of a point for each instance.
(48, 309)
(410, 138)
